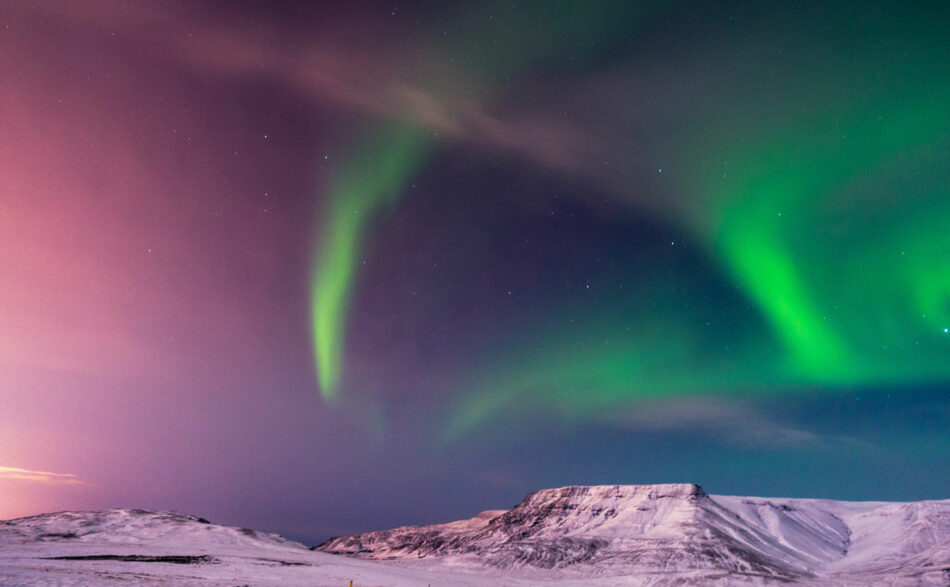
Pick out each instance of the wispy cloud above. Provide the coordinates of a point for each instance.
(742, 423)
(45, 477)
(333, 71)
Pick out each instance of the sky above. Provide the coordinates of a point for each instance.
(322, 268)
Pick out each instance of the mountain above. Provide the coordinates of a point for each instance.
(138, 547)
(667, 533)
(572, 536)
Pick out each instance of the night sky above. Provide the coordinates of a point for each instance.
(324, 268)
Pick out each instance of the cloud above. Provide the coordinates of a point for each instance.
(44, 477)
(385, 80)
(736, 422)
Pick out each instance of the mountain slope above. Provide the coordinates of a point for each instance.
(571, 536)
(136, 547)
(679, 530)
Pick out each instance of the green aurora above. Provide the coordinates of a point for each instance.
(377, 172)
(835, 228)
(834, 225)
(359, 191)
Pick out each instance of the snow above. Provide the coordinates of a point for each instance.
(602, 535)
(236, 556)
(665, 533)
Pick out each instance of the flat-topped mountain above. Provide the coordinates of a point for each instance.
(570, 537)
(679, 530)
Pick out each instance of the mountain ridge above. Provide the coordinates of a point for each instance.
(572, 536)
(619, 530)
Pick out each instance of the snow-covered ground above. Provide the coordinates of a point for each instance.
(572, 536)
(123, 547)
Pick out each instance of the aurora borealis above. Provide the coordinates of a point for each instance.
(763, 213)
(464, 251)
(357, 193)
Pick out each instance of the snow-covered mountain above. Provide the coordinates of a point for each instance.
(668, 533)
(572, 536)
(137, 547)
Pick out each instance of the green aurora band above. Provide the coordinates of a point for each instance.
(372, 179)
(377, 172)
(836, 229)
(774, 235)
(851, 296)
